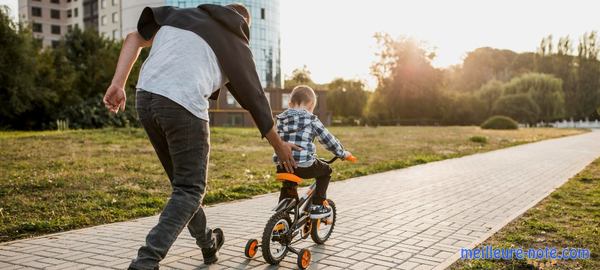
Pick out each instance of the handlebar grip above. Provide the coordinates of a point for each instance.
(352, 159)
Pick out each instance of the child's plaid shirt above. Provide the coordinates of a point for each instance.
(300, 127)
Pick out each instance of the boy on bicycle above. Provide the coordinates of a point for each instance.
(298, 125)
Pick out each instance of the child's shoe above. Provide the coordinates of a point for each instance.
(211, 254)
(319, 211)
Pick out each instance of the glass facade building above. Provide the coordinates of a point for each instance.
(264, 35)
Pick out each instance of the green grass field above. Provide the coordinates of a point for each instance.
(56, 181)
(569, 217)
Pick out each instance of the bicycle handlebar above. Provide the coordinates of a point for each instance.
(352, 159)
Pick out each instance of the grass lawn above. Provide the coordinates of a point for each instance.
(56, 181)
(569, 217)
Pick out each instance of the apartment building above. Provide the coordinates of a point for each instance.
(109, 18)
(51, 19)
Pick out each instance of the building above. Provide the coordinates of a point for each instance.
(51, 19)
(227, 112)
(109, 18)
(265, 38)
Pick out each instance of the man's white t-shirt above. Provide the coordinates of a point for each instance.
(182, 67)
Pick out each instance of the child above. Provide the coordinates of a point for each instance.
(299, 126)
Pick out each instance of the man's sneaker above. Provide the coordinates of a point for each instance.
(211, 254)
(319, 211)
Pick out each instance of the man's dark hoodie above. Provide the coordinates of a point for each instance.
(227, 33)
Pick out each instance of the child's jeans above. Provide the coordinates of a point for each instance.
(319, 170)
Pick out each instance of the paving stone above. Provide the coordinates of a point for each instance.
(417, 218)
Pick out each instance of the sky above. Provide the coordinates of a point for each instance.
(334, 38)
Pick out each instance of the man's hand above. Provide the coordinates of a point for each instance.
(284, 153)
(115, 98)
(283, 150)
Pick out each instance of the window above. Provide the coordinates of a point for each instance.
(285, 100)
(55, 14)
(55, 29)
(55, 43)
(69, 13)
(36, 12)
(115, 17)
(37, 27)
(54, 1)
(103, 20)
(69, 28)
(115, 34)
(181, 4)
(262, 13)
(103, 3)
(262, 34)
(231, 100)
(115, 2)
(235, 119)
(76, 12)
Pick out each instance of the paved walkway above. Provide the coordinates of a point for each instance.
(414, 218)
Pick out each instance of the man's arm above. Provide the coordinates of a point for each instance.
(115, 97)
(283, 150)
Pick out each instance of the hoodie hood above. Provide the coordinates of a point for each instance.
(233, 21)
(293, 120)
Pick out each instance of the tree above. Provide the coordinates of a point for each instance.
(95, 58)
(544, 89)
(408, 85)
(463, 109)
(579, 71)
(18, 95)
(488, 94)
(54, 77)
(586, 98)
(347, 98)
(483, 65)
(299, 76)
(517, 106)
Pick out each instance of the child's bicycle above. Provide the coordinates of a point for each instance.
(292, 218)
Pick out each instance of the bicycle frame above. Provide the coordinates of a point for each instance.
(299, 208)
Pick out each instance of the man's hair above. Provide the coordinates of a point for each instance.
(303, 94)
(242, 10)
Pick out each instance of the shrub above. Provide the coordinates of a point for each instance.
(520, 107)
(478, 139)
(500, 122)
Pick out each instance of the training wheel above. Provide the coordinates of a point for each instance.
(304, 258)
(251, 248)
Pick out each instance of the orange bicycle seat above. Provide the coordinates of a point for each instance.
(288, 177)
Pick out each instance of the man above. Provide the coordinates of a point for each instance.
(195, 52)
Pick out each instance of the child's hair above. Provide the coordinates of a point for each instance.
(303, 94)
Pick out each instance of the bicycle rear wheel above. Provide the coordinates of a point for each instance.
(273, 246)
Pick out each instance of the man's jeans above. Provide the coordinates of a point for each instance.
(181, 142)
